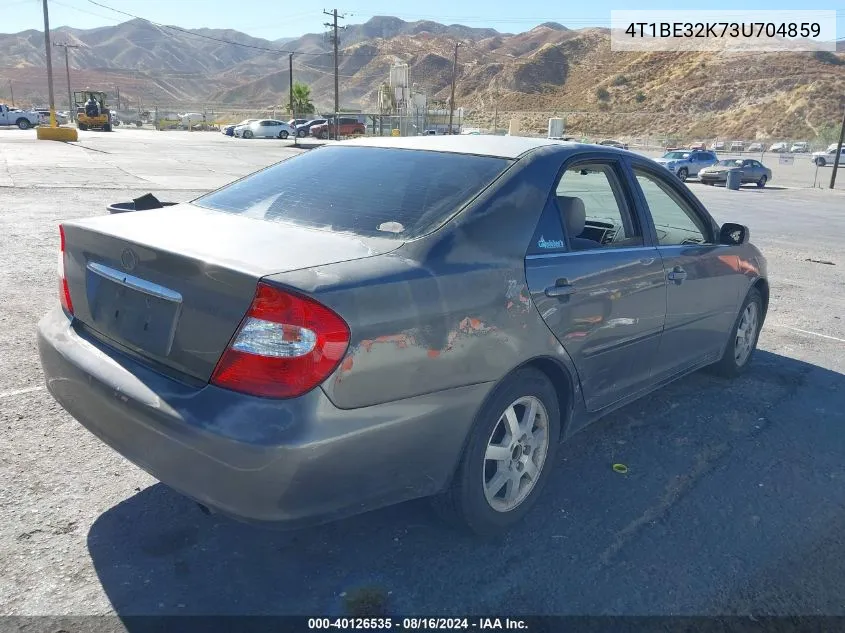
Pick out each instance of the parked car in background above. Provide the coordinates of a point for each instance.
(304, 129)
(829, 156)
(295, 123)
(609, 142)
(778, 147)
(755, 147)
(737, 146)
(699, 145)
(23, 119)
(287, 354)
(61, 119)
(347, 126)
(229, 130)
(686, 163)
(265, 128)
(799, 147)
(719, 146)
(753, 171)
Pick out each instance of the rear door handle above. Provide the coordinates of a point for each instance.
(678, 274)
(561, 289)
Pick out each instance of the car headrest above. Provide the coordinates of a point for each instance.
(573, 213)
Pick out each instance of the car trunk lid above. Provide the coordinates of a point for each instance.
(171, 285)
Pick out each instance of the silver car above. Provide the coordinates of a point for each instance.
(265, 128)
(685, 163)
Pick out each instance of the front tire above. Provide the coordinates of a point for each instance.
(508, 457)
(762, 182)
(247, 134)
(744, 335)
(324, 135)
(301, 133)
(23, 124)
(683, 173)
(821, 162)
(283, 135)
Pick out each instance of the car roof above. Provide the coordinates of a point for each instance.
(479, 144)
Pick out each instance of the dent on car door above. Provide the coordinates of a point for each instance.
(598, 284)
(704, 279)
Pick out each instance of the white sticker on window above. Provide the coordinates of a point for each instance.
(544, 243)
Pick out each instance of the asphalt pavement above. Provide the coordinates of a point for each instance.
(733, 502)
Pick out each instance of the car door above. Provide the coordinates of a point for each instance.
(597, 281)
(704, 278)
(750, 171)
(264, 128)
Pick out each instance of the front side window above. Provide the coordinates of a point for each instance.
(675, 221)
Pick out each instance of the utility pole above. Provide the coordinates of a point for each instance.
(117, 90)
(335, 41)
(290, 81)
(12, 92)
(454, 77)
(49, 66)
(70, 107)
(836, 160)
(495, 105)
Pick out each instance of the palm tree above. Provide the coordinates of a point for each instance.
(302, 99)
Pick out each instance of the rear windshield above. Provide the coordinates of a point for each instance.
(370, 191)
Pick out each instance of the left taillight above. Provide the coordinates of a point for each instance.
(286, 345)
(64, 291)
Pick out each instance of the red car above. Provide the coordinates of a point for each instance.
(346, 127)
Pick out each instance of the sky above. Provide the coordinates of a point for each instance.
(272, 20)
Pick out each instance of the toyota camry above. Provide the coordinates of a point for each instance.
(434, 319)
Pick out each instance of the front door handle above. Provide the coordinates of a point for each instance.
(561, 289)
(677, 275)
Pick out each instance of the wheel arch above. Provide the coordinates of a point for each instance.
(762, 285)
(562, 381)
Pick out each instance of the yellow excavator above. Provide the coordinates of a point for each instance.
(92, 113)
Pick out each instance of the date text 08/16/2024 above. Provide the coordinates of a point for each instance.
(417, 624)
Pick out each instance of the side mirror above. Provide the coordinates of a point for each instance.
(734, 234)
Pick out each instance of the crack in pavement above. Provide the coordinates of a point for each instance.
(705, 461)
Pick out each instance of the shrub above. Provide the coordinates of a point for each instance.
(602, 94)
(639, 97)
(620, 80)
(826, 57)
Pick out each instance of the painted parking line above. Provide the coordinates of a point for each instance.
(18, 392)
(819, 334)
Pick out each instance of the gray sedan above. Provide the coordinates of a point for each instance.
(753, 171)
(293, 348)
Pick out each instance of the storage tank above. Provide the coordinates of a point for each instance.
(556, 127)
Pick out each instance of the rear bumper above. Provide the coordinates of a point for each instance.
(283, 462)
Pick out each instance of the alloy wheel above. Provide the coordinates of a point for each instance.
(516, 453)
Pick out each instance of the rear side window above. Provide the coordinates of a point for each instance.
(370, 191)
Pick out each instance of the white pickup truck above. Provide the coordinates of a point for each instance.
(829, 156)
(23, 119)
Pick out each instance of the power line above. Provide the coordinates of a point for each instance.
(201, 35)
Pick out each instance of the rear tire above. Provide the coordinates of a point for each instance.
(107, 128)
(82, 126)
(762, 182)
(493, 487)
(301, 133)
(23, 124)
(821, 162)
(283, 135)
(247, 134)
(743, 340)
(324, 135)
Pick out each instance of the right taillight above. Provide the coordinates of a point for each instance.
(64, 291)
(285, 346)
